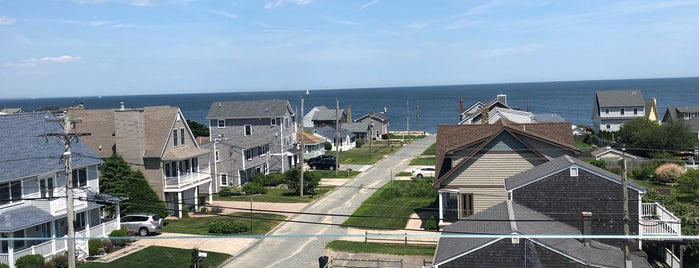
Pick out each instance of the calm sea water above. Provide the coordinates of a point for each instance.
(425, 107)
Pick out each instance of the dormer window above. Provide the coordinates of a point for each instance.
(248, 130)
(635, 111)
(221, 123)
(273, 121)
(573, 171)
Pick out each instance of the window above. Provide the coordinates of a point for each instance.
(265, 168)
(248, 130)
(273, 121)
(80, 221)
(10, 192)
(606, 111)
(216, 156)
(79, 177)
(622, 111)
(248, 154)
(175, 140)
(286, 122)
(221, 123)
(224, 179)
(609, 126)
(466, 205)
(182, 136)
(46, 187)
(635, 111)
(574, 171)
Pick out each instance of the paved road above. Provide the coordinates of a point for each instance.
(299, 250)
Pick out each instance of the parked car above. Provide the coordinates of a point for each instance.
(318, 158)
(143, 224)
(324, 163)
(423, 172)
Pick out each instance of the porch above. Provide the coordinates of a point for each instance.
(657, 220)
(188, 177)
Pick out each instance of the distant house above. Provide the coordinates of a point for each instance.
(474, 113)
(495, 243)
(690, 115)
(378, 124)
(612, 108)
(346, 140)
(157, 141)
(33, 190)
(6, 111)
(321, 116)
(360, 130)
(612, 156)
(313, 145)
(652, 110)
(252, 137)
(473, 161)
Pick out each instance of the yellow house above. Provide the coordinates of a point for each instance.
(652, 110)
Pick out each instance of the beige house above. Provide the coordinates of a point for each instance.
(473, 161)
(158, 142)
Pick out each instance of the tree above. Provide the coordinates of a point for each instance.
(119, 180)
(198, 129)
(310, 180)
(688, 184)
(646, 138)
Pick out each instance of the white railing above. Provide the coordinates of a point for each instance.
(45, 249)
(104, 229)
(4, 258)
(657, 220)
(189, 177)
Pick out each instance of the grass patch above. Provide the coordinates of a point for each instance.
(279, 196)
(366, 156)
(390, 206)
(404, 174)
(262, 223)
(393, 249)
(582, 145)
(155, 256)
(650, 184)
(423, 161)
(330, 174)
(432, 150)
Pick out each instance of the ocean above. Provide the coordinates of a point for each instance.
(417, 108)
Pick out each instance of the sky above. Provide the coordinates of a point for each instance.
(65, 48)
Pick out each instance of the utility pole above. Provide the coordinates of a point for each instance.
(337, 136)
(625, 200)
(417, 116)
(67, 138)
(407, 119)
(303, 150)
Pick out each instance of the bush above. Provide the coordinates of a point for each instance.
(599, 163)
(254, 188)
(203, 210)
(431, 224)
(359, 143)
(668, 173)
(644, 172)
(227, 227)
(272, 179)
(108, 246)
(328, 146)
(94, 246)
(310, 180)
(30, 261)
(2, 265)
(57, 261)
(216, 210)
(118, 242)
(230, 191)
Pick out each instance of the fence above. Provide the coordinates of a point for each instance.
(395, 239)
(364, 263)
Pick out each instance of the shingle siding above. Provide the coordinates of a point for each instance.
(564, 198)
(504, 253)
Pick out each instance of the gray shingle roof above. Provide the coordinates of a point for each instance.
(356, 127)
(559, 164)
(26, 154)
(249, 109)
(21, 217)
(325, 114)
(497, 220)
(380, 116)
(619, 98)
(329, 132)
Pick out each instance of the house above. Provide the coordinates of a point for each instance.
(252, 137)
(157, 141)
(360, 130)
(474, 113)
(346, 141)
(652, 110)
(491, 238)
(33, 190)
(312, 144)
(6, 111)
(612, 108)
(473, 161)
(378, 124)
(321, 116)
(690, 115)
(612, 156)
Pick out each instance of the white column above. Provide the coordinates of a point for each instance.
(211, 195)
(441, 208)
(11, 249)
(196, 198)
(179, 205)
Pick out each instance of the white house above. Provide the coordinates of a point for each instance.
(612, 108)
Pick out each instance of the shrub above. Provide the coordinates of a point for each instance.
(328, 146)
(203, 210)
(216, 210)
(599, 163)
(272, 179)
(431, 224)
(57, 261)
(108, 246)
(118, 242)
(30, 261)
(668, 172)
(2, 265)
(644, 172)
(227, 227)
(94, 245)
(229, 191)
(254, 188)
(359, 143)
(310, 180)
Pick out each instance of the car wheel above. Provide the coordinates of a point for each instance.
(332, 168)
(143, 231)
(419, 176)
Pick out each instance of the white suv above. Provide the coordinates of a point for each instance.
(423, 172)
(143, 224)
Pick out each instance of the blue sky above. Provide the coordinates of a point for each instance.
(114, 47)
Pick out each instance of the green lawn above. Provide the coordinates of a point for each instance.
(582, 145)
(393, 249)
(366, 155)
(432, 150)
(330, 174)
(387, 209)
(423, 161)
(404, 174)
(279, 196)
(155, 256)
(262, 223)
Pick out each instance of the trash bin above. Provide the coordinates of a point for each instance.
(323, 261)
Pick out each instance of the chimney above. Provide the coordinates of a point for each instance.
(121, 105)
(349, 114)
(502, 98)
(587, 226)
(219, 105)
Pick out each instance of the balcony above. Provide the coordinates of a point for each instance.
(657, 220)
(189, 177)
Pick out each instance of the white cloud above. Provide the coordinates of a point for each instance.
(367, 5)
(34, 62)
(7, 20)
(416, 25)
(280, 3)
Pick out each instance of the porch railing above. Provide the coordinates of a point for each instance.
(657, 220)
(190, 176)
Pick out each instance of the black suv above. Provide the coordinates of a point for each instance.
(323, 163)
(314, 160)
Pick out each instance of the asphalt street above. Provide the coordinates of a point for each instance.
(301, 241)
